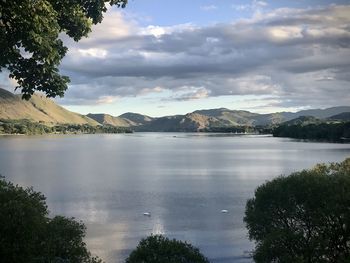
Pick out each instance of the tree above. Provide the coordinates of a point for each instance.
(28, 235)
(304, 217)
(159, 249)
(321, 131)
(30, 47)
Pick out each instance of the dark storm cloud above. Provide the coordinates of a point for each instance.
(286, 53)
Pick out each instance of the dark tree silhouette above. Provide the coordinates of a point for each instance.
(304, 217)
(30, 47)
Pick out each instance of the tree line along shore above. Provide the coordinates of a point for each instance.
(27, 127)
(317, 130)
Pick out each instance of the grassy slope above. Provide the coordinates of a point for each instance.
(136, 119)
(38, 109)
(110, 120)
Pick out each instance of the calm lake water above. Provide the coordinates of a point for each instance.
(183, 180)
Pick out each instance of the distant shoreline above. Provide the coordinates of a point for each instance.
(209, 134)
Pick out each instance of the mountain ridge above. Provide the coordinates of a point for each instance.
(107, 119)
(42, 109)
(38, 109)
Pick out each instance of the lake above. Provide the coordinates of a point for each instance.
(182, 180)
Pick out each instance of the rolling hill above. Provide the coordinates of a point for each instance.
(38, 109)
(344, 116)
(136, 118)
(324, 113)
(44, 110)
(106, 119)
(191, 122)
(222, 117)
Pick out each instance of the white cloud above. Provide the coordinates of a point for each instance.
(146, 91)
(208, 7)
(186, 93)
(158, 31)
(285, 33)
(94, 52)
(106, 99)
(254, 6)
(284, 52)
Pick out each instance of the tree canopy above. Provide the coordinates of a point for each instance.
(304, 217)
(30, 47)
(28, 235)
(323, 131)
(159, 249)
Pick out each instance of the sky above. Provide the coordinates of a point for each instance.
(160, 58)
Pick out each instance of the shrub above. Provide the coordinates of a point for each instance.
(28, 235)
(159, 249)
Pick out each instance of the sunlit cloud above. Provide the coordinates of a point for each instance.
(293, 54)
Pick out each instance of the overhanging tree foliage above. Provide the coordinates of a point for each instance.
(159, 249)
(30, 47)
(28, 235)
(304, 217)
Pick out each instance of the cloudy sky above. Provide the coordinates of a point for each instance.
(171, 57)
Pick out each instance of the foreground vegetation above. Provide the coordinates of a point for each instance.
(27, 127)
(35, 27)
(300, 218)
(159, 249)
(28, 235)
(303, 217)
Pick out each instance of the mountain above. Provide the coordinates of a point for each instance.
(344, 116)
(303, 120)
(279, 117)
(191, 122)
(136, 119)
(211, 119)
(230, 117)
(240, 117)
(38, 109)
(128, 119)
(41, 109)
(324, 113)
(106, 119)
(224, 118)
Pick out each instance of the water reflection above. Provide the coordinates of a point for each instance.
(183, 180)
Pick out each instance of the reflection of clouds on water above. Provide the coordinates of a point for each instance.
(109, 181)
(86, 209)
(91, 211)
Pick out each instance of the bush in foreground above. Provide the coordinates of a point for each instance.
(159, 249)
(304, 217)
(28, 235)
